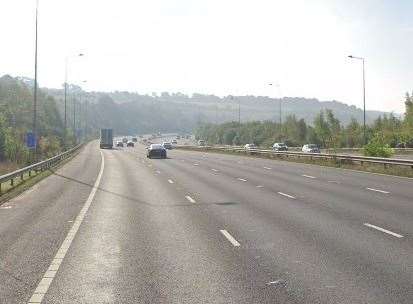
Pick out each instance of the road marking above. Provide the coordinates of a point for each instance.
(49, 275)
(6, 207)
(268, 168)
(157, 171)
(241, 179)
(196, 164)
(215, 170)
(190, 199)
(334, 182)
(383, 230)
(286, 195)
(230, 238)
(377, 190)
(170, 181)
(260, 186)
(308, 176)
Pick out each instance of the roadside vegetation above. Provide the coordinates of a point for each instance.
(385, 133)
(16, 114)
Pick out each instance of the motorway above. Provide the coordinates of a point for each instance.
(112, 226)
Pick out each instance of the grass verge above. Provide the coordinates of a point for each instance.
(9, 191)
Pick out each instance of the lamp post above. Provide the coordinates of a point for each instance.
(280, 103)
(66, 77)
(364, 96)
(35, 86)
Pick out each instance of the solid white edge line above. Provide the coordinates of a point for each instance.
(241, 179)
(230, 238)
(170, 181)
(286, 195)
(377, 190)
(49, 275)
(308, 176)
(383, 230)
(190, 199)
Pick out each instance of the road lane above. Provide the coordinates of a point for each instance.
(33, 228)
(394, 210)
(335, 245)
(143, 242)
(225, 236)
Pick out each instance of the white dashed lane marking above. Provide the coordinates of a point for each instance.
(308, 176)
(170, 181)
(230, 238)
(48, 276)
(215, 170)
(377, 190)
(241, 179)
(286, 195)
(190, 199)
(268, 168)
(383, 230)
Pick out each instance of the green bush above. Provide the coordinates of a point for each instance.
(377, 147)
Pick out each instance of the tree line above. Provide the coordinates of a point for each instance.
(16, 120)
(326, 131)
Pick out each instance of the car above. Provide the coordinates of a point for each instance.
(134, 139)
(156, 150)
(250, 147)
(167, 145)
(178, 137)
(124, 140)
(201, 142)
(174, 142)
(130, 144)
(279, 147)
(119, 144)
(310, 148)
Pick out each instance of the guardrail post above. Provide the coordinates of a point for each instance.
(21, 176)
(12, 182)
(0, 188)
(30, 173)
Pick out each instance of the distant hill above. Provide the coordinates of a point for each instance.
(131, 112)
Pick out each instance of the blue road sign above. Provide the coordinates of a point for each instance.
(30, 140)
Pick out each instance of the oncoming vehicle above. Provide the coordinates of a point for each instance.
(156, 150)
(167, 145)
(310, 148)
(249, 147)
(201, 142)
(119, 144)
(280, 147)
(130, 144)
(174, 142)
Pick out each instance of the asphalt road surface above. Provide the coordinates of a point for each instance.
(112, 226)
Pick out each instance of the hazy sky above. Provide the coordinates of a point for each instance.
(218, 46)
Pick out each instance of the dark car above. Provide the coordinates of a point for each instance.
(130, 144)
(119, 144)
(156, 150)
(124, 140)
(134, 139)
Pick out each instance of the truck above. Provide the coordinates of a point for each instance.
(106, 138)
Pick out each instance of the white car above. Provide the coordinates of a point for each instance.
(250, 147)
(310, 148)
(279, 147)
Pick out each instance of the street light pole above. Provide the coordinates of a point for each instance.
(66, 73)
(35, 87)
(364, 97)
(280, 105)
